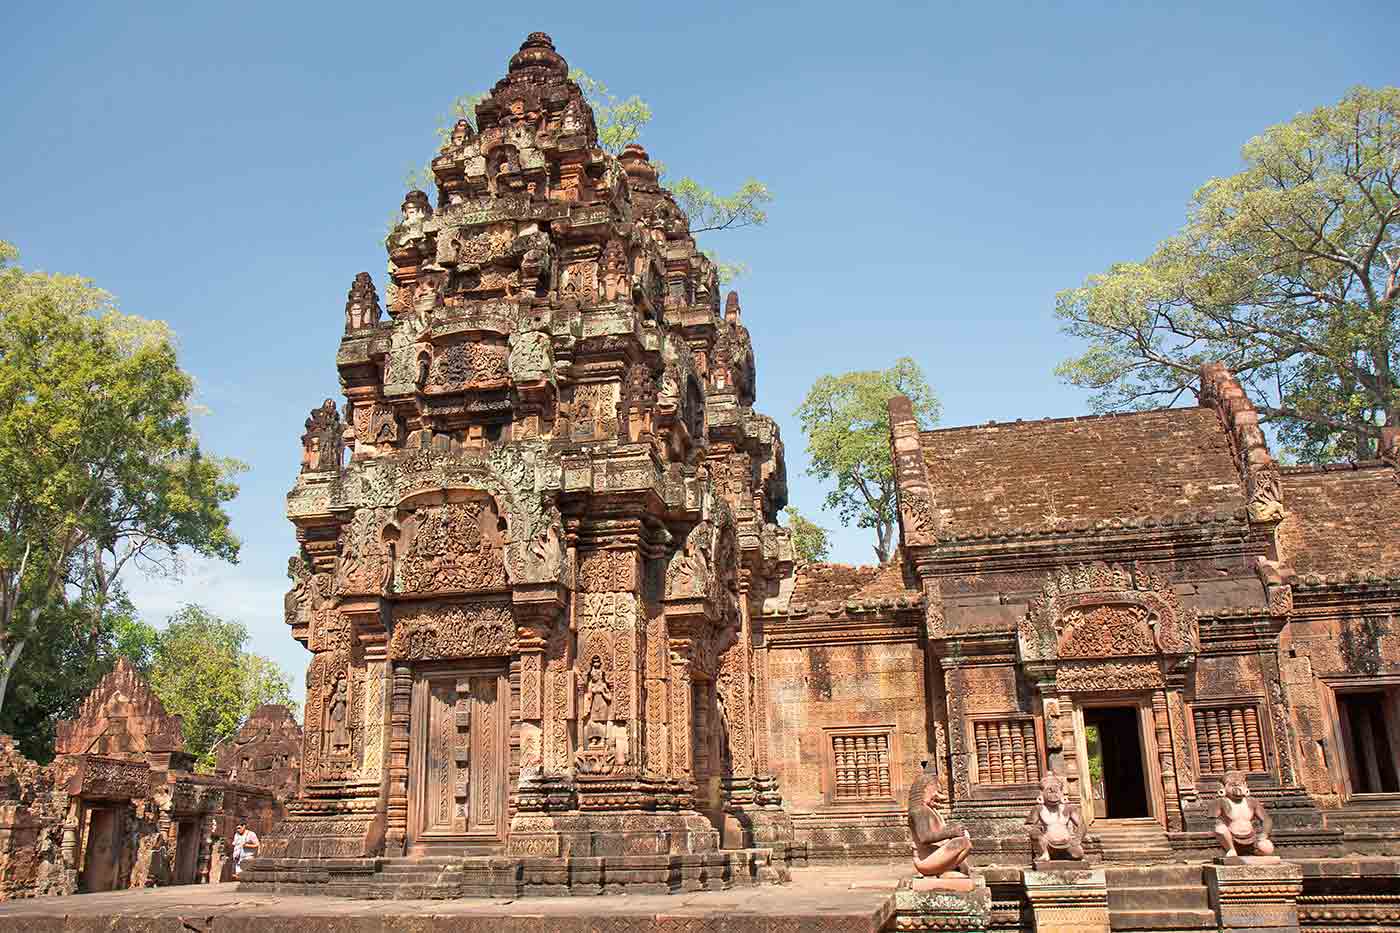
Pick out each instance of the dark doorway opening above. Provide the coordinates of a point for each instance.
(102, 857)
(1370, 755)
(1115, 762)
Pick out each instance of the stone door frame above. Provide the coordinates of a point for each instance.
(422, 675)
(1341, 759)
(118, 813)
(1141, 701)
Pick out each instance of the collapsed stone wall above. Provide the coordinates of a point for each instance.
(31, 828)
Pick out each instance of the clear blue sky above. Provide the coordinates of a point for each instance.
(940, 173)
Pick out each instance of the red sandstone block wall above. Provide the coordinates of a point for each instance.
(820, 691)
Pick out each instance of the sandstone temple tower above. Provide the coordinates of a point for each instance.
(533, 536)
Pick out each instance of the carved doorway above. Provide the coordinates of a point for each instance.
(102, 855)
(1115, 762)
(458, 762)
(1369, 736)
(187, 852)
(1118, 768)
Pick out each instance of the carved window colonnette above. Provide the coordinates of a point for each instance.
(1007, 752)
(1228, 738)
(860, 766)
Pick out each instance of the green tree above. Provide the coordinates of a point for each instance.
(99, 465)
(809, 539)
(1287, 271)
(620, 123)
(61, 668)
(847, 423)
(202, 672)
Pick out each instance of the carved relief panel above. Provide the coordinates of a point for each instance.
(454, 547)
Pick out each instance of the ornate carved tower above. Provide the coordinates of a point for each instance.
(530, 543)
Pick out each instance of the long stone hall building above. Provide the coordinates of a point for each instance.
(560, 643)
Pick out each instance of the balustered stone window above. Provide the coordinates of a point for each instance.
(860, 766)
(1006, 751)
(1228, 738)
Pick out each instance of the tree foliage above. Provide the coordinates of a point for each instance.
(201, 671)
(1287, 271)
(100, 469)
(620, 122)
(810, 540)
(847, 423)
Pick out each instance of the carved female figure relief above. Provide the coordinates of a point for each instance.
(597, 705)
(338, 713)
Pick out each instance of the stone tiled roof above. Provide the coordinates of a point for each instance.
(1341, 522)
(835, 587)
(1169, 466)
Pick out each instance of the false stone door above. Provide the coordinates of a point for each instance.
(458, 759)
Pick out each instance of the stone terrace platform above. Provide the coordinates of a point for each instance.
(818, 899)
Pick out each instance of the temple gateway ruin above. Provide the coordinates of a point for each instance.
(561, 644)
(121, 805)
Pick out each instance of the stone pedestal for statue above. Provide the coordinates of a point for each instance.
(958, 904)
(1255, 895)
(1068, 900)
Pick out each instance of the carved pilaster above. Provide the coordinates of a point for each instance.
(682, 743)
(1166, 759)
(396, 809)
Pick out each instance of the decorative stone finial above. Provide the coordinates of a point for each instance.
(731, 307)
(416, 202)
(362, 304)
(637, 164)
(537, 51)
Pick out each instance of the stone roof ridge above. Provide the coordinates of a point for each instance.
(835, 588)
(1221, 391)
(1339, 466)
(1065, 419)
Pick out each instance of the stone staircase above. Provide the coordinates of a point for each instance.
(415, 878)
(1159, 898)
(1135, 841)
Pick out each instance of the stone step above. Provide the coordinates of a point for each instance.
(1174, 920)
(1173, 897)
(1155, 876)
(419, 877)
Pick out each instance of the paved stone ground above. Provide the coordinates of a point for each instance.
(819, 899)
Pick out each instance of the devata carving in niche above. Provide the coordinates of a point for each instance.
(1056, 828)
(1235, 814)
(939, 847)
(339, 717)
(597, 705)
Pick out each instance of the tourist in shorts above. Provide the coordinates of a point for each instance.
(245, 847)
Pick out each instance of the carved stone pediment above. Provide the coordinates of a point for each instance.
(1102, 610)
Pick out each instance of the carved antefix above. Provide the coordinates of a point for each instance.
(323, 444)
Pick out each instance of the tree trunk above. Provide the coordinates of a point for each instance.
(882, 542)
(11, 657)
